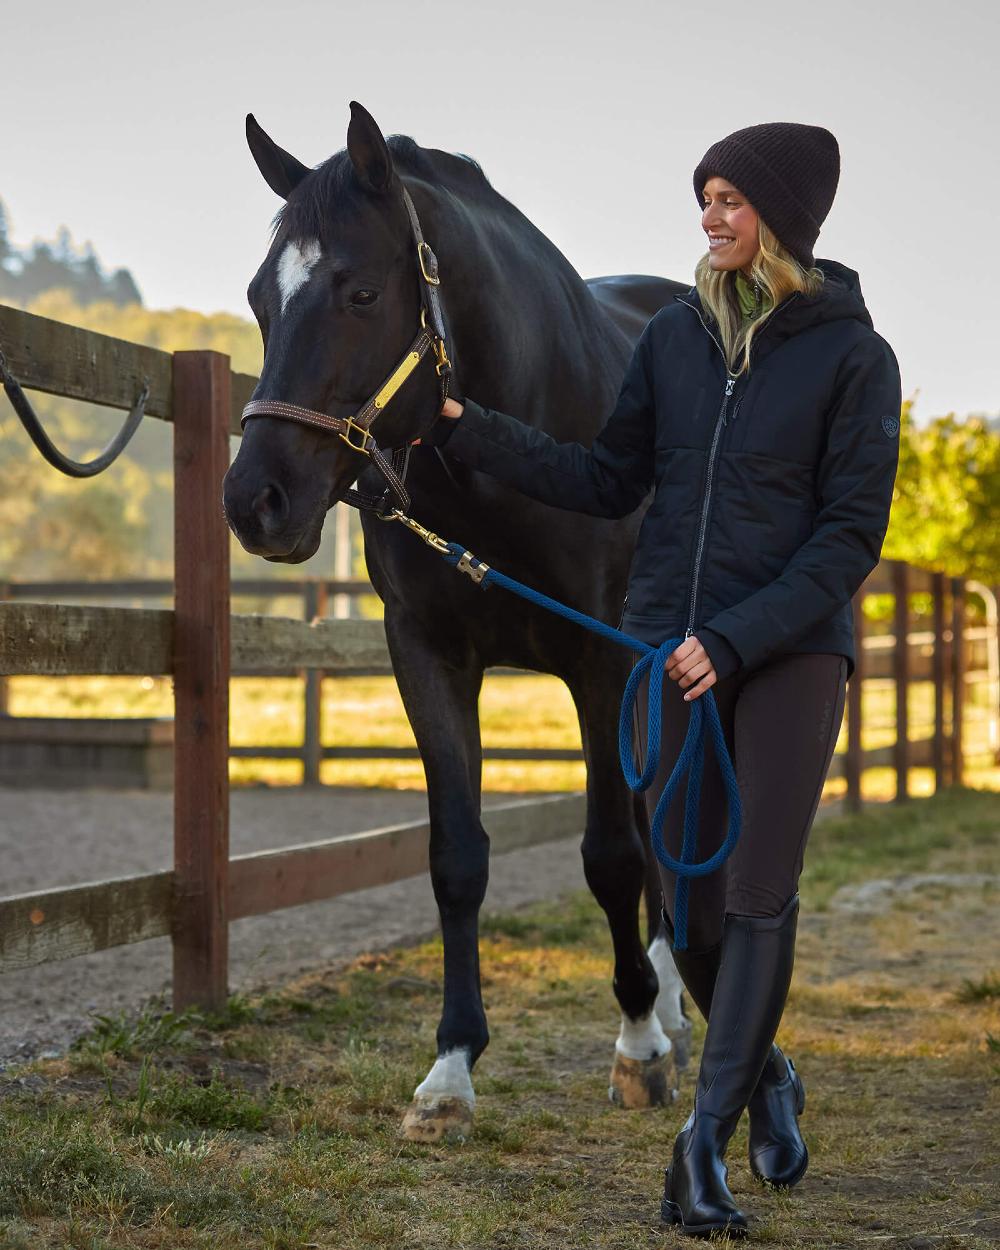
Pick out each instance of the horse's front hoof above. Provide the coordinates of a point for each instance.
(433, 1118)
(640, 1083)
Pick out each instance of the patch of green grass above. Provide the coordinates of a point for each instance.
(569, 921)
(129, 1035)
(979, 991)
(179, 1099)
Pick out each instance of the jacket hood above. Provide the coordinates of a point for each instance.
(838, 299)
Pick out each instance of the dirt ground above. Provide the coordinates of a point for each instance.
(50, 839)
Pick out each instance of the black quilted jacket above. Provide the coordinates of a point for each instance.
(772, 490)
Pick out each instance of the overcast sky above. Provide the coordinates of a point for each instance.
(126, 123)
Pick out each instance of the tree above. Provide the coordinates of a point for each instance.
(946, 503)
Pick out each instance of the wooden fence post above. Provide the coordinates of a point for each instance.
(854, 758)
(901, 675)
(312, 744)
(937, 669)
(4, 688)
(995, 588)
(201, 402)
(957, 679)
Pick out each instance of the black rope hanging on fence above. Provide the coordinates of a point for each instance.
(56, 458)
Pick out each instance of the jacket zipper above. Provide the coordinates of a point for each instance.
(720, 422)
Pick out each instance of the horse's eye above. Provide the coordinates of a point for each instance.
(364, 297)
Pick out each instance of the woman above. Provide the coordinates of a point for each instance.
(762, 409)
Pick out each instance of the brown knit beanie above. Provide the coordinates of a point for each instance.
(789, 173)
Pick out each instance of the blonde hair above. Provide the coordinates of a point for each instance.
(776, 271)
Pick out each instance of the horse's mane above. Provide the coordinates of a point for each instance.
(311, 214)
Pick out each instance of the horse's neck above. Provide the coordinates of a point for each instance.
(523, 324)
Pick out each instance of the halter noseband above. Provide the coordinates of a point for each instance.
(354, 430)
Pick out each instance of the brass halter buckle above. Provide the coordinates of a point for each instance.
(438, 344)
(430, 276)
(345, 436)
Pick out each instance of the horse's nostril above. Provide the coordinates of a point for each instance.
(270, 505)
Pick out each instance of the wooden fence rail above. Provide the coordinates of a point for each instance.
(362, 651)
(200, 644)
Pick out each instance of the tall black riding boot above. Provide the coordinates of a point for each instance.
(755, 969)
(777, 1151)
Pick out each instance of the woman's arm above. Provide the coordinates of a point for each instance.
(855, 486)
(610, 479)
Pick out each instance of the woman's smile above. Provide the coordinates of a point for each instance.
(730, 221)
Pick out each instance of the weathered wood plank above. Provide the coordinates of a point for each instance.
(150, 587)
(53, 640)
(46, 355)
(270, 880)
(50, 925)
(267, 642)
(201, 681)
(58, 924)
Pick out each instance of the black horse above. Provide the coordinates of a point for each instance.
(338, 300)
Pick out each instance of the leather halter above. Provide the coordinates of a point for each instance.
(355, 430)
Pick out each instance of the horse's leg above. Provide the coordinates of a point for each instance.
(643, 1073)
(440, 690)
(669, 1000)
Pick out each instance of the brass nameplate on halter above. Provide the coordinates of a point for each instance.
(403, 371)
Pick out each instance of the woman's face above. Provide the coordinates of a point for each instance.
(730, 221)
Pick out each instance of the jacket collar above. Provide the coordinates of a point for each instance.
(838, 299)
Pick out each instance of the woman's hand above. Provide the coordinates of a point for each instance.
(690, 667)
(451, 409)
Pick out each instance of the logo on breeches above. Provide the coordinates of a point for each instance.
(824, 722)
(891, 426)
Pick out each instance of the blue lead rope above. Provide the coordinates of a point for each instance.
(691, 757)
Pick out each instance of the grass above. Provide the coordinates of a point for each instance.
(980, 991)
(275, 1123)
(519, 711)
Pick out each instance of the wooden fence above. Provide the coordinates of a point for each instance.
(199, 643)
(928, 655)
(315, 594)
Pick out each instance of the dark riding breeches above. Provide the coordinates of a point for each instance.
(780, 723)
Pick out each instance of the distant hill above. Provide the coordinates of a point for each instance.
(26, 273)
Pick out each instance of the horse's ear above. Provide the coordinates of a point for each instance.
(368, 150)
(282, 172)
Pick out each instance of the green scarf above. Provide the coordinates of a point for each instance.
(746, 295)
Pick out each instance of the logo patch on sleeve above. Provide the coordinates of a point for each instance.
(891, 426)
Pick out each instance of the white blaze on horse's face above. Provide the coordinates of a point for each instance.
(294, 267)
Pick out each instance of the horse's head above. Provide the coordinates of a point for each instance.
(338, 302)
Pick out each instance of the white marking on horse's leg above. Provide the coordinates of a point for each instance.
(668, 998)
(449, 1078)
(668, 1008)
(294, 267)
(644, 1071)
(643, 1038)
(443, 1102)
